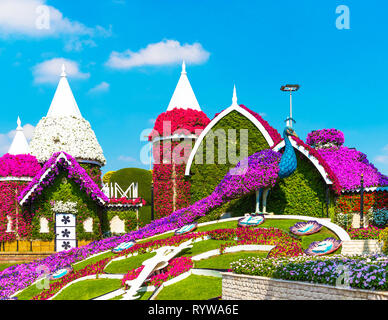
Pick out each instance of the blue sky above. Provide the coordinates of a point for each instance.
(258, 45)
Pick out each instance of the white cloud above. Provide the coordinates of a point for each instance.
(102, 87)
(156, 54)
(382, 159)
(28, 132)
(6, 138)
(262, 114)
(33, 18)
(48, 71)
(126, 158)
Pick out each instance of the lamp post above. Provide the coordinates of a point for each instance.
(152, 183)
(362, 202)
(290, 88)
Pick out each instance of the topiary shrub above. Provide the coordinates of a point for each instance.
(205, 177)
(302, 193)
(124, 178)
(384, 239)
(380, 217)
(107, 176)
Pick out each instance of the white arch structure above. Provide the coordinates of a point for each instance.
(233, 107)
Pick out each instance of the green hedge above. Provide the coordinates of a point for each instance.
(124, 178)
(205, 177)
(303, 193)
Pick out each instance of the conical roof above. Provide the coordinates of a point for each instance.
(64, 103)
(19, 144)
(183, 97)
(64, 129)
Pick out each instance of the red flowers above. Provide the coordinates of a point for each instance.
(179, 121)
(126, 201)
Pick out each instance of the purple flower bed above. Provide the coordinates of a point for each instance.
(75, 172)
(260, 173)
(349, 164)
(363, 272)
(21, 165)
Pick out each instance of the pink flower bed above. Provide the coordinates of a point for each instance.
(348, 165)
(126, 201)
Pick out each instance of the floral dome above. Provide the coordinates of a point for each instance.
(21, 165)
(179, 121)
(64, 129)
(70, 134)
(325, 138)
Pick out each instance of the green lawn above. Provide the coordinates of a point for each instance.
(89, 289)
(144, 295)
(223, 261)
(192, 288)
(202, 246)
(4, 266)
(123, 266)
(31, 291)
(86, 262)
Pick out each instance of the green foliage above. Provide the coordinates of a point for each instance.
(384, 239)
(124, 178)
(303, 193)
(64, 189)
(94, 172)
(126, 215)
(107, 176)
(192, 288)
(205, 177)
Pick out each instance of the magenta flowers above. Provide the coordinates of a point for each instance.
(21, 165)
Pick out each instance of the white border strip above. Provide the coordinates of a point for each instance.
(313, 160)
(212, 123)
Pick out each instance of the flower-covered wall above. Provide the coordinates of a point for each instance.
(94, 172)
(15, 221)
(64, 195)
(205, 177)
(302, 193)
(171, 187)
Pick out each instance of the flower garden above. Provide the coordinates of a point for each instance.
(217, 236)
(289, 210)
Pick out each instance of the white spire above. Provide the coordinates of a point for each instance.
(234, 98)
(63, 103)
(183, 96)
(19, 144)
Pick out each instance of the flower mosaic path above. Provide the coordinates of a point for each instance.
(222, 234)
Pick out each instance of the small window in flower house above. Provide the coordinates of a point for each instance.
(88, 225)
(9, 224)
(44, 228)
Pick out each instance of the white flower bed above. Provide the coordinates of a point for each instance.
(68, 206)
(70, 134)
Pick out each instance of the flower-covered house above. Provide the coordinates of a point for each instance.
(51, 188)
